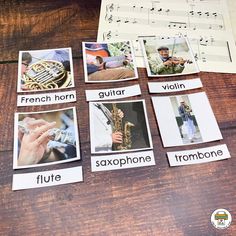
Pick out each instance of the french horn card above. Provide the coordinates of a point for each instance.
(45, 70)
(109, 62)
(120, 127)
(169, 56)
(185, 119)
(45, 138)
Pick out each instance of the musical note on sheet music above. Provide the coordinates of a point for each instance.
(205, 22)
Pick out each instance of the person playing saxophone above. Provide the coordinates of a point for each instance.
(103, 135)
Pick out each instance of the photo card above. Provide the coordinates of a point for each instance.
(109, 62)
(41, 70)
(168, 56)
(45, 138)
(119, 126)
(185, 119)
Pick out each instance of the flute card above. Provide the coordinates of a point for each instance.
(47, 178)
(109, 62)
(205, 23)
(45, 138)
(185, 119)
(168, 57)
(119, 127)
(48, 69)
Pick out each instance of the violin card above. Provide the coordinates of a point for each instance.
(119, 127)
(45, 138)
(41, 70)
(185, 119)
(109, 62)
(168, 56)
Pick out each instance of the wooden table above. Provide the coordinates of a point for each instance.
(156, 200)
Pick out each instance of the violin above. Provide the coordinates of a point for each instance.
(178, 60)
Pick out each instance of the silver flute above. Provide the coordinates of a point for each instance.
(55, 134)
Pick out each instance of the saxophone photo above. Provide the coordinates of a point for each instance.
(124, 128)
(118, 126)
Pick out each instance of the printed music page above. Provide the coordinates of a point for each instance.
(206, 23)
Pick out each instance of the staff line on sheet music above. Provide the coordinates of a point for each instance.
(203, 41)
(167, 24)
(200, 43)
(162, 11)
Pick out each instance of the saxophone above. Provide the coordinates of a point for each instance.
(124, 129)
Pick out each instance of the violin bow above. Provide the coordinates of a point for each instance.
(172, 54)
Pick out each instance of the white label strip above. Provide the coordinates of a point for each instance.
(47, 178)
(196, 156)
(46, 98)
(174, 86)
(122, 161)
(113, 93)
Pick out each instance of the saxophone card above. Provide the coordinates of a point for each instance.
(45, 138)
(186, 119)
(109, 62)
(168, 56)
(40, 70)
(119, 126)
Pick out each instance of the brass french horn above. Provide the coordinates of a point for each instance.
(46, 74)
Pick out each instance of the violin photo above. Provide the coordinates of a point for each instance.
(168, 56)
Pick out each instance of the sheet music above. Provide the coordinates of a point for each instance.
(232, 13)
(205, 22)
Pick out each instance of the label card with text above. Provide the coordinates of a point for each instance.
(122, 161)
(174, 86)
(46, 98)
(196, 156)
(47, 178)
(113, 93)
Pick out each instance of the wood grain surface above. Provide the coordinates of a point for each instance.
(156, 200)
